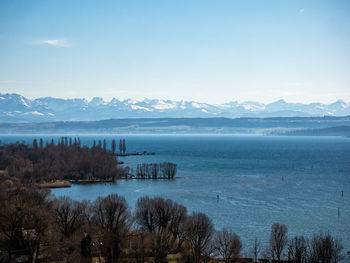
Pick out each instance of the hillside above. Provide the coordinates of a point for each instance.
(178, 125)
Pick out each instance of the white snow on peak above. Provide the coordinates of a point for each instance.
(136, 107)
(98, 101)
(163, 105)
(344, 105)
(195, 105)
(24, 102)
(130, 101)
(251, 106)
(36, 113)
(182, 104)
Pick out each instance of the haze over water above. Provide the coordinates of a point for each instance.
(260, 180)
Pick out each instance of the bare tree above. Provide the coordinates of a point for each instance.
(297, 250)
(338, 255)
(37, 230)
(11, 220)
(35, 144)
(177, 223)
(113, 216)
(114, 146)
(120, 146)
(137, 245)
(24, 222)
(256, 249)
(104, 145)
(41, 143)
(69, 215)
(199, 231)
(228, 245)
(124, 146)
(278, 240)
(162, 219)
(325, 249)
(144, 214)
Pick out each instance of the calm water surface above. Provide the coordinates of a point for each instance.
(261, 180)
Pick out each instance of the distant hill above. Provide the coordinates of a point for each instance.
(332, 131)
(179, 125)
(16, 108)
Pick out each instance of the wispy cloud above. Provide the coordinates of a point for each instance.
(56, 42)
(301, 10)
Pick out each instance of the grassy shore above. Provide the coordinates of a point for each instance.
(55, 184)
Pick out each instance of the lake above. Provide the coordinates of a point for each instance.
(260, 180)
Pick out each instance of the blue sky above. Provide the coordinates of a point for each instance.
(205, 50)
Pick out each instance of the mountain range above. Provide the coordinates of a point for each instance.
(17, 108)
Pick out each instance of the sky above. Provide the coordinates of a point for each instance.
(211, 51)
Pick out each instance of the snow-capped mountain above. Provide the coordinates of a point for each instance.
(17, 108)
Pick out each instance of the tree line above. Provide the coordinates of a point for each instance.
(67, 159)
(155, 171)
(38, 227)
(103, 144)
(64, 159)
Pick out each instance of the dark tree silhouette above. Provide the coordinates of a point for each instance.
(69, 215)
(278, 240)
(85, 247)
(228, 245)
(162, 220)
(58, 162)
(35, 144)
(124, 146)
(199, 231)
(104, 145)
(156, 171)
(24, 221)
(37, 227)
(326, 249)
(297, 250)
(114, 146)
(113, 215)
(120, 146)
(256, 249)
(41, 143)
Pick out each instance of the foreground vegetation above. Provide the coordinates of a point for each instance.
(37, 227)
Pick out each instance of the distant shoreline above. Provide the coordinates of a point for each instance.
(177, 126)
(67, 184)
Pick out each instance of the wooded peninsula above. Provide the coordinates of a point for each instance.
(57, 164)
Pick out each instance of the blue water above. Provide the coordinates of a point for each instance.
(260, 180)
